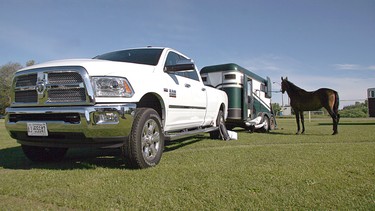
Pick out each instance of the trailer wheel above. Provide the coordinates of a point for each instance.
(144, 146)
(44, 154)
(272, 123)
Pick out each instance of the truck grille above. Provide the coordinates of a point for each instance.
(51, 86)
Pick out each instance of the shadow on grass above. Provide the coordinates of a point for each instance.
(350, 123)
(174, 145)
(81, 158)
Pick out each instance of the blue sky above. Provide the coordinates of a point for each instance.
(316, 43)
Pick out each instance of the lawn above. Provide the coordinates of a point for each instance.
(278, 170)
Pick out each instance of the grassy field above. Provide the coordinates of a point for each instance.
(279, 170)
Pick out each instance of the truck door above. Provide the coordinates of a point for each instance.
(187, 107)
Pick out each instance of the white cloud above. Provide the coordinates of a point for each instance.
(353, 67)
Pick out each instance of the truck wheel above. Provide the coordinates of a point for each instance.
(44, 154)
(220, 120)
(266, 127)
(145, 144)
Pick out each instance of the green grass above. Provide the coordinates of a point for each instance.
(279, 170)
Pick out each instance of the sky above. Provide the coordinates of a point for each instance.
(315, 43)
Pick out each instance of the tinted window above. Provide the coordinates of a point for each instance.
(173, 58)
(138, 56)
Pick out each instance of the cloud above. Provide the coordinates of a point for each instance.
(353, 67)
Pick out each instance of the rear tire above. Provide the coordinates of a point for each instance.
(266, 127)
(44, 154)
(219, 121)
(145, 144)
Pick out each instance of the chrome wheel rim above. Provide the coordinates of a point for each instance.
(150, 140)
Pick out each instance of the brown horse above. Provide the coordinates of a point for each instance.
(301, 100)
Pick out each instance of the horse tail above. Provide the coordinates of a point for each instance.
(336, 105)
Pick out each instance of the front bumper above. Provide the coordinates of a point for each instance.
(74, 126)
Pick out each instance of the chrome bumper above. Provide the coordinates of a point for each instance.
(72, 126)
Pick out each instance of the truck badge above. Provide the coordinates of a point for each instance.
(40, 87)
(172, 93)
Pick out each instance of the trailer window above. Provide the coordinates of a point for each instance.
(230, 76)
(262, 87)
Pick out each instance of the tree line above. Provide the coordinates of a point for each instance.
(6, 76)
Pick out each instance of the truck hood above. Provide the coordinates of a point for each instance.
(96, 67)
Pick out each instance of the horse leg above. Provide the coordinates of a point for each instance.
(297, 120)
(335, 121)
(303, 122)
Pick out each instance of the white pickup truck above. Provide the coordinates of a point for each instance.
(134, 99)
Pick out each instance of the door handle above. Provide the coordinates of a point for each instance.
(187, 85)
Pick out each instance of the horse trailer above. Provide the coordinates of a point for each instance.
(371, 102)
(249, 96)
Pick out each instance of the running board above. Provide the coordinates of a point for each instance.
(174, 136)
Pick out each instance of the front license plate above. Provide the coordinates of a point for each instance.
(37, 129)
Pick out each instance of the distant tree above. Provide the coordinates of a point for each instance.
(357, 110)
(6, 74)
(30, 63)
(276, 108)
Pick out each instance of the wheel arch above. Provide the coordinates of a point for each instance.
(154, 101)
(224, 109)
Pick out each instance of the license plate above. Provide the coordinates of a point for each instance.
(37, 129)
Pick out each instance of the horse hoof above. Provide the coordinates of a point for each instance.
(335, 133)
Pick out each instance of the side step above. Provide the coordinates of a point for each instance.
(178, 135)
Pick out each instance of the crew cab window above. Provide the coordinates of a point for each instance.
(138, 56)
(173, 58)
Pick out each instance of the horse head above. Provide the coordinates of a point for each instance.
(284, 84)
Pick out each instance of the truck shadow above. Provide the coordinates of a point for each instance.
(81, 158)
(174, 145)
(86, 158)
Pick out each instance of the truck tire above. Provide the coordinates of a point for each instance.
(145, 144)
(219, 121)
(44, 154)
(266, 127)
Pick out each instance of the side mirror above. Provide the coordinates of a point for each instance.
(181, 65)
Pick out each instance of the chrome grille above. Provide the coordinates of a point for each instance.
(66, 95)
(64, 78)
(26, 80)
(51, 86)
(27, 96)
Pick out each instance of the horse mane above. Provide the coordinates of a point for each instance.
(294, 88)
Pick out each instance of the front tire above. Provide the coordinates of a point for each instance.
(44, 154)
(145, 145)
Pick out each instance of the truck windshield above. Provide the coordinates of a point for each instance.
(138, 56)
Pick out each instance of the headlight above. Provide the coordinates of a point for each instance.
(112, 87)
